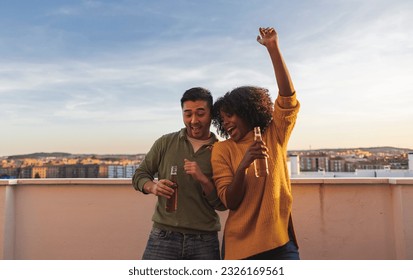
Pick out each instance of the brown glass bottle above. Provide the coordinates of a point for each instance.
(172, 203)
(260, 164)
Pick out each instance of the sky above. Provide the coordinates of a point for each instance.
(106, 77)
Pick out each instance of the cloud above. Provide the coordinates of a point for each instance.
(99, 88)
(366, 59)
(110, 65)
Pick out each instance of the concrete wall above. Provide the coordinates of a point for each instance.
(353, 219)
(47, 219)
(3, 186)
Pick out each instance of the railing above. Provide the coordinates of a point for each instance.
(106, 219)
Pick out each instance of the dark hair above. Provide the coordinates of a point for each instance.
(251, 104)
(197, 93)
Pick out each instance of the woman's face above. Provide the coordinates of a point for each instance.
(236, 127)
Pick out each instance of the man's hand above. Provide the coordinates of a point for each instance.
(159, 188)
(192, 168)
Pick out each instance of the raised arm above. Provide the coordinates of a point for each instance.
(269, 38)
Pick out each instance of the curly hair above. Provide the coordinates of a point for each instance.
(252, 104)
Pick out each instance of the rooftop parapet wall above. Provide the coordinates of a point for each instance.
(335, 218)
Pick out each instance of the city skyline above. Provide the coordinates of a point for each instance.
(370, 162)
(105, 77)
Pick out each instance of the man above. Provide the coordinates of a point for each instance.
(190, 232)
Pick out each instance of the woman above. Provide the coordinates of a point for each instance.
(259, 224)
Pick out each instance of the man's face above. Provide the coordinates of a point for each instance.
(197, 119)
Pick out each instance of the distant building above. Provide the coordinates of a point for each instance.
(80, 171)
(8, 173)
(54, 171)
(337, 165)
(121, 171)
(294, 164)
(39, 172)
(24, 172)
(314, 163)
(410, 165)
(383, 171)
(130, 170)
(103, 171)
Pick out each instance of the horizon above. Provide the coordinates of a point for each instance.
(142, 153)
(101, 76)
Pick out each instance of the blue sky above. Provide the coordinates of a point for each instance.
(106, 76)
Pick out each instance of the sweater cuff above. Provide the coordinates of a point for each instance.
(140, 185)
(287, 102)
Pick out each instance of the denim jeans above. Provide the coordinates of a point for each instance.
(171, 245)
(288, 251)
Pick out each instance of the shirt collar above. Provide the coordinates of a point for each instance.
(182, 134)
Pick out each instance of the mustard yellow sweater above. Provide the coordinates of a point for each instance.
(260, 223)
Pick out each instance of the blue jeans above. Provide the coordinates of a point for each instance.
(289, 251)
(171, 245)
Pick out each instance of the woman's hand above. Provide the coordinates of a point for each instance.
(267, 35)
(258, 149)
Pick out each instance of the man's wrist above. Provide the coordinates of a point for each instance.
(203, 180)
(146, 189)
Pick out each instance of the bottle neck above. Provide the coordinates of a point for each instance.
(257, 133)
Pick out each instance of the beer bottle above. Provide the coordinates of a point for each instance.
(260, 164)
(172, 203)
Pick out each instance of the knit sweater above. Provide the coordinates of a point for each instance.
(261, 221)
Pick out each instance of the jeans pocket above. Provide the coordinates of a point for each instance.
(157, 233)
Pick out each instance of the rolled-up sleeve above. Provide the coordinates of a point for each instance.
(287, 102)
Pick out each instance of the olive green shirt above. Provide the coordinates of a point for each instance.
(196, 212)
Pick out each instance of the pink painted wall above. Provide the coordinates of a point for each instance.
(107, 219)
(3, 185)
